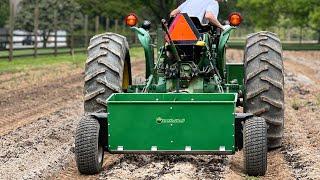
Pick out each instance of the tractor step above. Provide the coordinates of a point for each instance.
(172, 123)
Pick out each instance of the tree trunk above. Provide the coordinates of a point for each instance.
(72, 35)
(86, 18)
(11, 31)
(55, 33)
(97, 25)
(319, 37)
(116, 26)
(300, 39)
(36, 27)
(107, 24)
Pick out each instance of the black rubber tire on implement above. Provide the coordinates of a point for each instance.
(264, 83)
(88, 147)
(107, 54)
(255, 146)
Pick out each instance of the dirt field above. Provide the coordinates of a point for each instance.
(40, 109)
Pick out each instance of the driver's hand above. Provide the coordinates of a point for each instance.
(225, 27)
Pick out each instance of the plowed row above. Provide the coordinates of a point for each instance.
(41, 108)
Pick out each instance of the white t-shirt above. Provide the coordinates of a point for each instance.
(198, 8)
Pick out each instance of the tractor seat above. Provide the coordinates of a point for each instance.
(201, 27)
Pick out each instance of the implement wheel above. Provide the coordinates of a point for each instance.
(88, 146)
(255, 146)
(107, 70)
(264, 83)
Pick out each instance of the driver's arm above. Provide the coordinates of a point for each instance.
(175, 12)
(213, 20)
(178, 10)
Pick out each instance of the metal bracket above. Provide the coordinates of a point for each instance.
(99, 116)
(242, 117)
(239, 120)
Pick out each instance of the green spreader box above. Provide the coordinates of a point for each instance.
(171, 123)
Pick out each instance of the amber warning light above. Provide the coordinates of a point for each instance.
(235, 19)
(131, 20)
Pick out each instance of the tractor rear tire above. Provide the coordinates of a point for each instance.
(264, 83)
(255, 146)
(107, 54)
(88, 146)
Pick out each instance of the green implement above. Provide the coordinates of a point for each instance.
(176, 123)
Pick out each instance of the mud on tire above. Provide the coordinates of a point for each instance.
(264, 81)
(255, 146)
(88, 147)
(107, 55)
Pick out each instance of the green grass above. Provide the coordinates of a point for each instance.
(136, 53)
(31, 51)
(24, 64)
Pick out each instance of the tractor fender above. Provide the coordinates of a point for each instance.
(221, 50)
(145, 40)
(224, 38)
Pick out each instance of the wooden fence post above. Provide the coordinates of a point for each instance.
(123, 27)
(72, 35)
(55, 24)
(97, 24)
(300, 36)
(11, 31)
(116, 26)
(107, 24)
(36, 26)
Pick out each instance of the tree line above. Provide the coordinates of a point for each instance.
(257, 13)
(282, 13)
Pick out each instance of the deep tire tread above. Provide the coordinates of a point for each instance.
(264, 68)
(104, 70)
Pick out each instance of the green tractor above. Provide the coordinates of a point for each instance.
(192, 102)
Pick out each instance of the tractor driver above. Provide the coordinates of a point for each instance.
(205, 10)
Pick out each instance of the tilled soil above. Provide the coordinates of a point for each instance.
(42, 147)
(30, 95)
(41, 110)
(166, 167)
